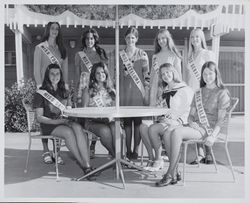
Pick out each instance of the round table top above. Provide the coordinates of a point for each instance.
(113, 112)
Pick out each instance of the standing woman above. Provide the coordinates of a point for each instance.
(210, 103)
(50, 51)
(49, 102)
(198, 54)
(91, 53)
(134, 76)
(165, 52)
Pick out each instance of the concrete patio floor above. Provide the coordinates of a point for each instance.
(40, 181)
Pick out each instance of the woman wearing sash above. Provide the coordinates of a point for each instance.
(101, 94)
(198, 54)
(50, 50)
(49, 102)
(206, 117)
(91, 53)
(176, 96)
(134, 76)
(165, 52)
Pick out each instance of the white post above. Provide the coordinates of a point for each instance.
(117, 57)
(19, 56)
(216, 47)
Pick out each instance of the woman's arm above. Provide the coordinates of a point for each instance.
(65, 72)
(43, 119)
(85, 97)
(37, 66)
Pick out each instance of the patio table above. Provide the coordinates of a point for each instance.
(116, 114)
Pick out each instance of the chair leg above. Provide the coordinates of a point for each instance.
(214, 160)
(28, 155)
(184, 162)
(230, 162)
(56, 163)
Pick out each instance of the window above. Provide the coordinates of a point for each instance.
(10, 58)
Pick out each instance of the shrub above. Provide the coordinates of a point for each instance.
(15, 115)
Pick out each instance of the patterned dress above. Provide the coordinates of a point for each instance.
(130, 95)
(213, 100)
(41, 62)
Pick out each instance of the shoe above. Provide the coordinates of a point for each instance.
(208, 159)
(178, 175)
(92, 152)
(134, 156)
(59, 159)
(149, 165)
(165, 181)
(47, 158)
(196, 161)
(157, 165)
(93, 176)
(128, 155)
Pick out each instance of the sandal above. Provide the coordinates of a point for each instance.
(47, 159)
(165, 181)
(59, 159)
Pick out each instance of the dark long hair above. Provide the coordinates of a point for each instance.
(213, 67)
(100, 51)
(107, 84)
(47, 83)
(59, 40)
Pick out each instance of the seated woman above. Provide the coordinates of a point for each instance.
(49, 102)
(175, 95)
(210, 103)
(101, 94)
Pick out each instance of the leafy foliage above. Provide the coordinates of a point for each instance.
(107, 12)
(15, 115)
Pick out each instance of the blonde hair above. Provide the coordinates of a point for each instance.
(203, 41)
(176, 76)
(170, 43)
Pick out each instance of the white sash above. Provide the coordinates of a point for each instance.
(194, 68)
(98, 101)
(132, 72)
(44, 47)
(85, 60)
(52, 100)
(201, 112)
(155, 64)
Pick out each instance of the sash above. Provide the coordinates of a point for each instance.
(132, 72)
(98, 101)
(194, 68)
(44, 47)
(201, 112)
(85, 60)
(155, 64)
(52, 100)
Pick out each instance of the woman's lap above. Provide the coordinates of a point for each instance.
(187, 133)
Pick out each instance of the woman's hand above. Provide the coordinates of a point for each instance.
(61, 121)
(194, 125)
(209, 141)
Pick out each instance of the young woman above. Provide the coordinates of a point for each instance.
(134, 76)
(50, 51)
(49, 115)
(176, 96)
(165, 52)
(198, 54)
(101, 94)
(211, 101)
(91, 53)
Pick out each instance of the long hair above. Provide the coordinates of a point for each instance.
(93, 84)
(47, 85)
(176, 76)
(203, 41)
(59, 40)
(100, 51)
(213, 67)
(170, 43)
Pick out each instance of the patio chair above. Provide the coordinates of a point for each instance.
(36, 134)
(222, 138)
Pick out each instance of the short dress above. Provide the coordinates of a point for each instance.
(213, 100)
(130, 95)
(50, 110)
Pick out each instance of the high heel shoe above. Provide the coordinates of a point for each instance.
(165, 181)
(91, 177)
(178, 175)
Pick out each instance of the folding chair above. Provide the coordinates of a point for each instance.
(35, 134)
(222, 138)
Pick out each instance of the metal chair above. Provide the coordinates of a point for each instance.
(36, 134)
(222, 138)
